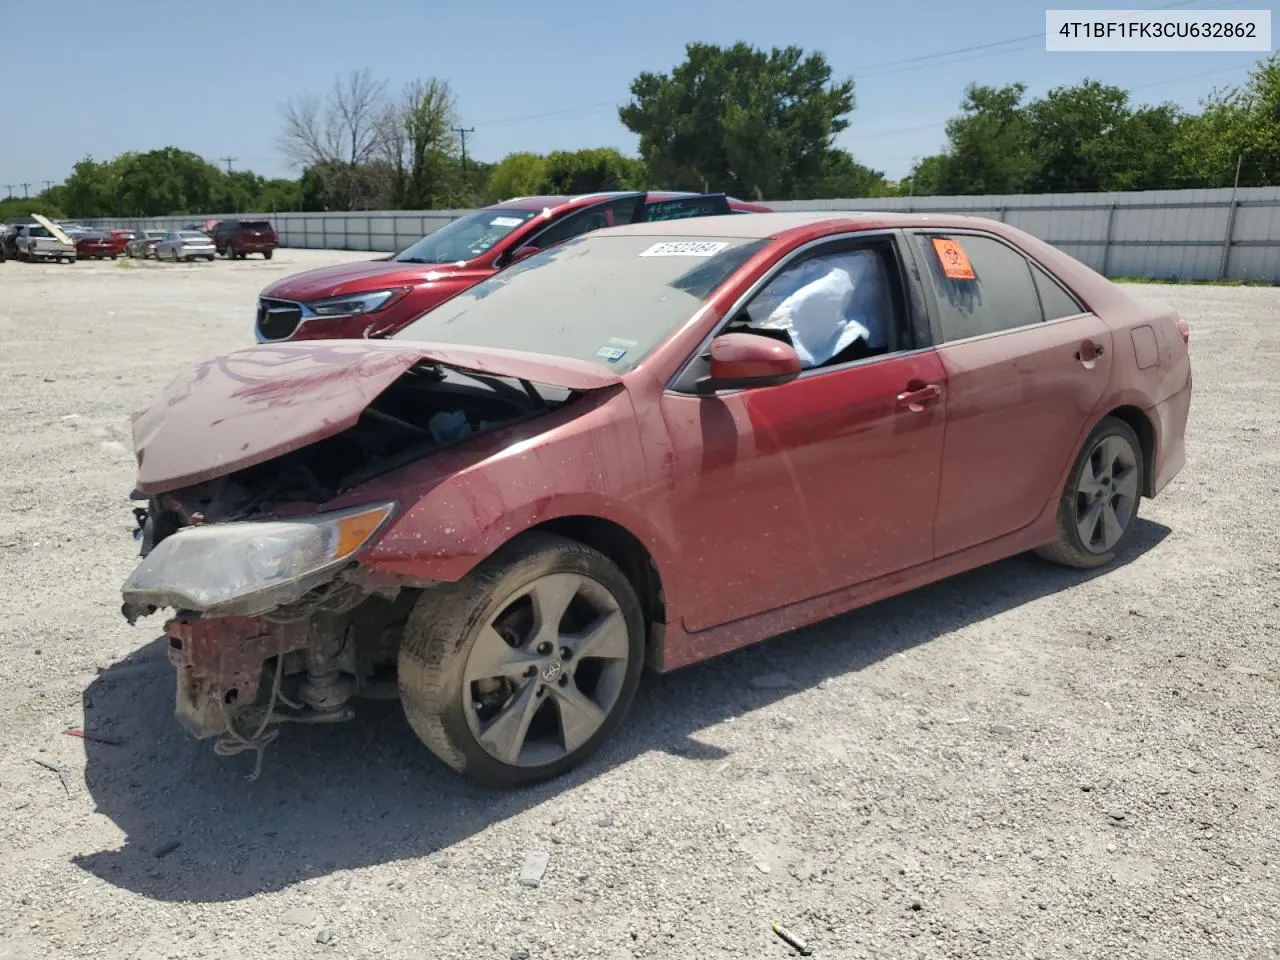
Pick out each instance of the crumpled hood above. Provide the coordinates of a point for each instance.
(250, 406)
(364, 276)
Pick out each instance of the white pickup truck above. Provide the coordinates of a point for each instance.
(44, 240)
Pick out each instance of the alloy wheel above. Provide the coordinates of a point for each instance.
(546, 671)
(1106, 494)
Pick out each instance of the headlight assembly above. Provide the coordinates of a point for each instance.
(249, 567)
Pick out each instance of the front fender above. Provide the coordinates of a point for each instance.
(459, 506)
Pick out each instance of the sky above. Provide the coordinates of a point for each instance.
(212, 77)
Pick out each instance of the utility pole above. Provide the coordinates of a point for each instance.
(228, 161)
(462, 132)
(48, 185)
(9, 189)
(25, 193)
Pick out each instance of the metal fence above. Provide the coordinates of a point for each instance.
(1161, 234)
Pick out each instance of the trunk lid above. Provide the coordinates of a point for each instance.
(250, 406)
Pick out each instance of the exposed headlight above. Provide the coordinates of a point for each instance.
(354, 304)
(249, 567)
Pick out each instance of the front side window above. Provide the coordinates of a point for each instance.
(833, 307)
(982, 285)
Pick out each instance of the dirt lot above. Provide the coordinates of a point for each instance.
(1022, 762)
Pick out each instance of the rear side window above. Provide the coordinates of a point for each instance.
(982, 286)
(1057, 303)
(686, 207)
(612, 214)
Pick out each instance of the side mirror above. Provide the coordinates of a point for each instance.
(523, 253)
(750, 360)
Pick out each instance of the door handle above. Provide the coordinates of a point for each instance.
(1089, 351)
(918, 397)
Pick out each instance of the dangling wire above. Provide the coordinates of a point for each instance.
(236, 742)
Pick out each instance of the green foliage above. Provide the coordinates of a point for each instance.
(1089, 137)
(12, 209)
(1240, 124)
(590, 171)
(739, 119)
(516, 175)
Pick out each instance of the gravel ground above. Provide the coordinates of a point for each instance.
(1021, 762)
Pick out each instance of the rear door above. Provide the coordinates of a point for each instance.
(1026, 367)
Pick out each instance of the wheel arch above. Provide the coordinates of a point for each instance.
(631, 556)
(1141, 425)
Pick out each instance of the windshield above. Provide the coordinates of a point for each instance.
(192, 235)
(254, 225)
(605, 299)
(467, 237)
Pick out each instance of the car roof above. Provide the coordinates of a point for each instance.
(552, 201)
(760, 226)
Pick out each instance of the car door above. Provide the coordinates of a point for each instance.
(1026, 365)
(782, 493)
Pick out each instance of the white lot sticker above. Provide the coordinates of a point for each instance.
(505, 222)
(685, 248)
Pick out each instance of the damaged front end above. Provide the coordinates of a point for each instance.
(275, 621)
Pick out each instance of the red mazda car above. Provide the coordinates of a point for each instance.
(649, 444)
(375, 298)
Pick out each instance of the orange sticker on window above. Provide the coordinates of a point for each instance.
(955, 265)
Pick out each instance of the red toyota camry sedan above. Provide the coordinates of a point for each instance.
(375, 298)
(649, 444)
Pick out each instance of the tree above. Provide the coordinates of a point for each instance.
(988, 147)
(739, 119)
(337, 135)
(91, 189)
(416, 139)
(842, 176)
(516, 175)
(1074, 137)
(1237, 124)
(591, 171)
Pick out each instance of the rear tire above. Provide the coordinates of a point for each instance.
(1100, 503)
(476, 654)
(266, 254)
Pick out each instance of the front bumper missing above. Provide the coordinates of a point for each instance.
(220, 666)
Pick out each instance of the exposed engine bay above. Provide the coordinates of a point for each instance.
(238, 677)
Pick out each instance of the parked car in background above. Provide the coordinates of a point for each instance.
(44, 240)
(377, 298)
(94, 245)
(653, 444)
(185, 245)
(239, 238)
(143, 245)
(120, 239)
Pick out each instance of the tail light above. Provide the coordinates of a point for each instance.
(1184, 329)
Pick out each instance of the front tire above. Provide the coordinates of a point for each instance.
(1100, 503)
(518, 672)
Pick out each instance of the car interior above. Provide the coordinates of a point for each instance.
(875, 302)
